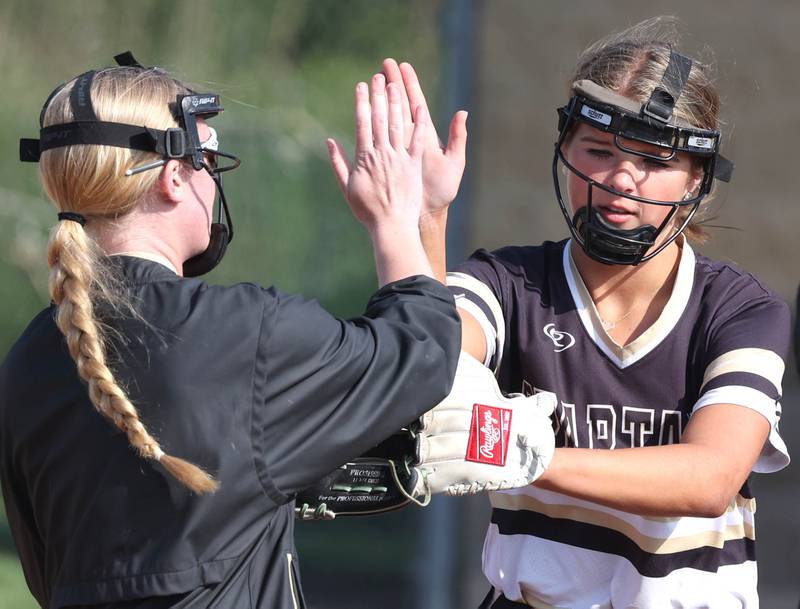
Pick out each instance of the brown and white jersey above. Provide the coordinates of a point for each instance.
(721, 338)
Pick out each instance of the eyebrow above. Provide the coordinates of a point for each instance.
(590, 139)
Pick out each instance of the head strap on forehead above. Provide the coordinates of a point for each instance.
(662, 100)
(594, 92)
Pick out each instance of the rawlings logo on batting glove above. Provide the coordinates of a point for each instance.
(477, 439)
(488, 435)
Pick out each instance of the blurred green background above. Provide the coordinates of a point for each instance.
(286, 70)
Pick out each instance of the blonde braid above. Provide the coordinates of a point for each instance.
(71, 259)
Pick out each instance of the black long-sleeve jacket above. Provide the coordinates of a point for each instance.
(266, 391)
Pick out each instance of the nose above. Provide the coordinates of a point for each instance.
(626, 176)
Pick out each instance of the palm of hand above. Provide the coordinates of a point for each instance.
(441, 177)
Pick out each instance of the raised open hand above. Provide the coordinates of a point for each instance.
(383, 186)
(442, 166)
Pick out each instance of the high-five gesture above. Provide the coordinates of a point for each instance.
(442, 166)
(383, 185)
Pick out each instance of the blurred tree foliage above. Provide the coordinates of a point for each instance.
(286, 70)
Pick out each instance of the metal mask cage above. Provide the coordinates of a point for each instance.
(215, 161)
(636, 132)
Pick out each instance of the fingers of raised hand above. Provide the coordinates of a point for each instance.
(393, 74)
(396, 120)
(363, 120)
(457, 138)
(421, 134)
(380, 134)
(416, 98)
(341, 168)
(413, 89)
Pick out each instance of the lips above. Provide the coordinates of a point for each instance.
(617, 214)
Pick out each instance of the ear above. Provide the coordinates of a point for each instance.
(172, 182)
(695, 179)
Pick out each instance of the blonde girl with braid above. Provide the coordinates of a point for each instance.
(224, 401)
(86, 182)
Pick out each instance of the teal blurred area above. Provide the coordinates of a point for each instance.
(286, 70)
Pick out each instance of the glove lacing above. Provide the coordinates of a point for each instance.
(426, 499)
(321, 512)
(474, 488)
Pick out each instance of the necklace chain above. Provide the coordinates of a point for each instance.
(610, 325)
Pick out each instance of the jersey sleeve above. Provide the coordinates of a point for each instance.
(333, 388)
(748, 345)
(478, 286)
(797, 334)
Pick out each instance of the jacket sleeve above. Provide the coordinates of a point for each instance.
(329, 389)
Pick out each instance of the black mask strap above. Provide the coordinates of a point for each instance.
(80, 99)
(50, 97)
(127, 60)
(723, 169)
(662, 100)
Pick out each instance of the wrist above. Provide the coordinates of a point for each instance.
(393, 234)
(433, 220)
(545, 481)
(432, 232)
(398, 252)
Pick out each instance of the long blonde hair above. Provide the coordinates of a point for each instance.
(90, 180)
(633, 62)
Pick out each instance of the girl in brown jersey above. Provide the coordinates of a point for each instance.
(671, 359)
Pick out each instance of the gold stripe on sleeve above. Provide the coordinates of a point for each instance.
(653, 545)
(763, 362)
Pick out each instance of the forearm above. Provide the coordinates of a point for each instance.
(432, 231)
(673, 480)
(398, 253)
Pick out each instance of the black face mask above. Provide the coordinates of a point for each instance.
(204, 262)
(181, 143)
(221, 236)
(611, 245)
